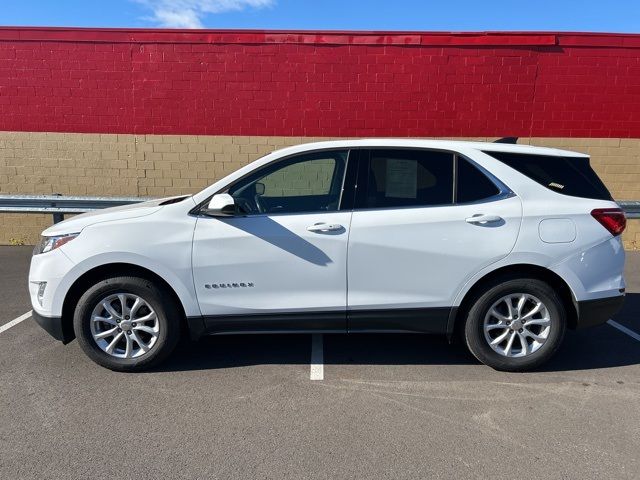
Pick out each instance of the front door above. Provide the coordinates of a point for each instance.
(280, 263)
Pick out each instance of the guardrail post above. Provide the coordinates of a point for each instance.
(57, 216)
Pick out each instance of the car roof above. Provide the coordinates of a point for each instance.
(455, 145)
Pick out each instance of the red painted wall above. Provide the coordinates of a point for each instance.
(319, 83)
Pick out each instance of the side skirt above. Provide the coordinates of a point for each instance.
(290, 322)
(406, 320)
(414, 320)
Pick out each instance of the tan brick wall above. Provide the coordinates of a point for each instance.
(163, 165)
(631, 235)
(16, 229)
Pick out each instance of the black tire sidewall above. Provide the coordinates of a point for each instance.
(474, 334)
(164, 308)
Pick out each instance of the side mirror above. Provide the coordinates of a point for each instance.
(260, 188)
(221, 205)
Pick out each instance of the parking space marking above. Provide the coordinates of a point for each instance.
(624, 329)
(317, 357)
(15, 321)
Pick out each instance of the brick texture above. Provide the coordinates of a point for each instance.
(164, 165)
(319, 84)
(156, 113)
(18, 229)
(631, 236)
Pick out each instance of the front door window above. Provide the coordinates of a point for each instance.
(303, 183)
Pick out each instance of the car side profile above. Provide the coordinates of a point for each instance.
(503, 245)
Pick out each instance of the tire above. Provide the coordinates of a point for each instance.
(160, 332)
(489, 318)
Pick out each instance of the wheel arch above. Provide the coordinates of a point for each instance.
(520, 270)
(98, 273)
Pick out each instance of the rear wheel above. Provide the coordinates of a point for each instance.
(127, 323)
(515, 325)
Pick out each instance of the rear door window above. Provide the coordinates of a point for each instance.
(567, 175)
(407, 178)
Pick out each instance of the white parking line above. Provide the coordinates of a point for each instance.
(15, 321)
(317, 358)
(624, 329)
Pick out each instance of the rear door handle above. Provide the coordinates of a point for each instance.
(325, 227)
(482, 219)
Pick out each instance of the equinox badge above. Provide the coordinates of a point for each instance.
(229, 285)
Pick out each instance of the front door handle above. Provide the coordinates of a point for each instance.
(324, 227)
(481, 219)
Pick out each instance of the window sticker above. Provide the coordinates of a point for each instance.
(402, 178)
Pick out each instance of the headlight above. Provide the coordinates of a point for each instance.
(51, 243)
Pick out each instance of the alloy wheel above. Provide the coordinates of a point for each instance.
(517, 325)
(124, 325)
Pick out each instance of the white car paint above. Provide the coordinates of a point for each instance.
(422, 255)
(290, 272)
(386, 258)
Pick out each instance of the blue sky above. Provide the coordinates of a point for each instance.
(448, 15)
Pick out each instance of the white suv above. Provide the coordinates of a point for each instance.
(506, 245)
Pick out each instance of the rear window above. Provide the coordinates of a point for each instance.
(567, 175)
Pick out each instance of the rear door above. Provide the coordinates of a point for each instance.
(424, 222)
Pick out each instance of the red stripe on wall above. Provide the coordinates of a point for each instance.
(319, 83)
(115, 35)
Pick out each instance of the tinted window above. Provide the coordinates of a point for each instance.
(473, 185)
(566, 175)
(404, 178)
(303, 183)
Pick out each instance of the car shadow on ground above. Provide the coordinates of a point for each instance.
(599, 347)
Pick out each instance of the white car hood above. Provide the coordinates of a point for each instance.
(77, 223)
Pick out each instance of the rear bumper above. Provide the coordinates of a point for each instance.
(53, 326)
(596, 312)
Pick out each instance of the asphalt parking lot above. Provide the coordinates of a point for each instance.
(389, 406)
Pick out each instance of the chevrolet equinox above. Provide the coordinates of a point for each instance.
(504, 245)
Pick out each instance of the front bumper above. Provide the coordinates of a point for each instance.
(598, 311)
(54, 327)
(50, 267)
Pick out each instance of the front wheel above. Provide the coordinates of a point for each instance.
(515, 325)
(127, 323)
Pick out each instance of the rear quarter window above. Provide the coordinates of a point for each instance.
(473, 185)
(571, 176)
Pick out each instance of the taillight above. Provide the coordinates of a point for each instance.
(612, 219)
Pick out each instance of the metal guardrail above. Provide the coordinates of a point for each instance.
(59, 205)
(631, 208)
